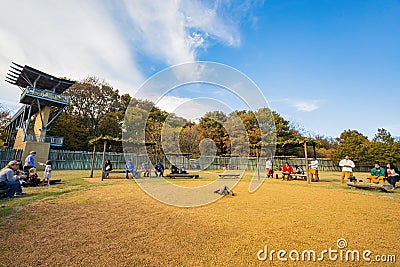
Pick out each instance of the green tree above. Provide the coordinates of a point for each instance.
(352, 143)
(213, 123)
(76, 135)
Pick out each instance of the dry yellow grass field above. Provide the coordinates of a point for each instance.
(120, 225)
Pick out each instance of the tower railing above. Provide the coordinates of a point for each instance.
(44, 94)
(53, 140)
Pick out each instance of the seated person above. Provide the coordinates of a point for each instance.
(145, 169)
(183, 170)
(287, 170)
(377, 175)
(8, 181)
(174, 169)
(392, 174)
(160, 169)
(298, 169)
(130, 168)
(108, 167)
(32, 178)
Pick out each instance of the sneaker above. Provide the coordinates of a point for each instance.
(20, 194)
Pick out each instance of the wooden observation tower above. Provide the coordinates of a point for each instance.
(43, 103)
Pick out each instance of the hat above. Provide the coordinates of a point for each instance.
(13, 162)
(32, 152)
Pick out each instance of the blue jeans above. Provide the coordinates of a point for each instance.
(131, 171)
(14, 187)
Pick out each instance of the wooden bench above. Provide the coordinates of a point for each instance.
(292, 176)
(4, 191)
(229, 175)
(107, 173)
(182, 175)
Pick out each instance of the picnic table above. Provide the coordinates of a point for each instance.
(107, 173)
(182, 175)
(292, 176)
(230, 175)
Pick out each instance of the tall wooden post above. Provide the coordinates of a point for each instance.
(258, 163)
(307, 170)
(103, 174)
(93, 156)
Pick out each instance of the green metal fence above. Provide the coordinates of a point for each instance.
(82, 160)
(8, 154)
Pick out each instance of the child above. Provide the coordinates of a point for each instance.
(47, 171)
(32, 177)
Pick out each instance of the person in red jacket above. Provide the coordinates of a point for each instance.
(287, 170)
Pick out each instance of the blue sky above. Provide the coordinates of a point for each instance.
(325, 65)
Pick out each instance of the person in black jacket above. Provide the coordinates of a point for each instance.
(392, 174)
(108, 167)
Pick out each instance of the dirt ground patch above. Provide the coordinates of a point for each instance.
(119, 225)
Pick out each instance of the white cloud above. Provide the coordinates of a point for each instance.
(75, 39)
(306, 106)
(299, 104)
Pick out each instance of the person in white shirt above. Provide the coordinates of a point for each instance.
(269, 168)
(314, 170)
(347, 168)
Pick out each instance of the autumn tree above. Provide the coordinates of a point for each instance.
(4, 119)
(92, 99)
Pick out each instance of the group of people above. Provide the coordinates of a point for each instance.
(288, 170)
(130, 168)
(15, 175)
(378, 174)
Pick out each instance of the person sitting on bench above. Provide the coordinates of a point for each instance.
(108, 167)
(183, 170)
(160, 169)
(377, 174)
(8, 181)
(145, 169)
(130, 168)
(393, 174)
(287, 170)
(174, 169)
(298, 169)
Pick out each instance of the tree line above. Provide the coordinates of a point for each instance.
(97, 109)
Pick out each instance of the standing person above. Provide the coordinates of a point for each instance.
(347, 164)
(8, 181)
(130, 167)
(314, 169)
(393, 174)
(29, 161)
(108, 167)
(47, 172)
(377, 175)
(269, 168)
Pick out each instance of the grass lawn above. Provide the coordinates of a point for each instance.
(86, 222)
